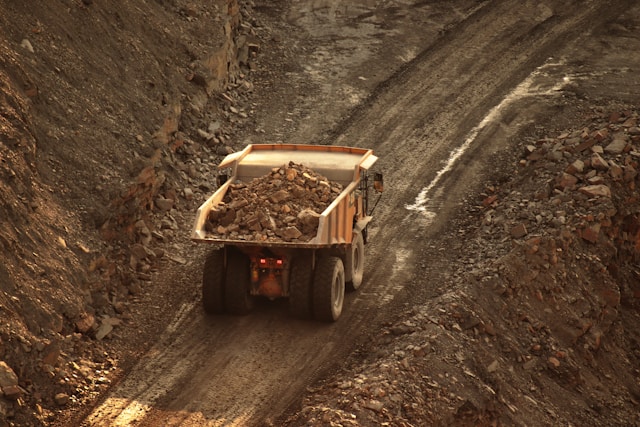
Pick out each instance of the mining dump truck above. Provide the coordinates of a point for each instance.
(263, 247)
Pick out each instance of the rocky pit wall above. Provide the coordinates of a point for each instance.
(63, 285)
(543, 320)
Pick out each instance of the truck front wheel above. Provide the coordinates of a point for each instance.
(354, 268)
(237, 288)
(213, 276)
(328, 289)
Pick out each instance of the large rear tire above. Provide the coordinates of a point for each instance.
(354, 268)
(328, 289)
(213, 278)
(237, 288)
(300, 286)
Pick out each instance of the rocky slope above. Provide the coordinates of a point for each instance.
(92, 169)
(542, 312)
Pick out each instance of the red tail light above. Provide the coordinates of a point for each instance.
(270, 263)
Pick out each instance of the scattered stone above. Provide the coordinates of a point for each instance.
(518, 231)
(51, 354)
(374, 405)
(177, 259)
(188, 193)
(104, 329)
(13, 392)
(493, 366)
(567, 181)
(8, 377)
(591, 233)
(26, 44)
(85, 323)
(600, 190)
(139, 251)
(598, 163)
(163, 204)
(617, 146)
(61, 399)
(629, 173)
(576, 167)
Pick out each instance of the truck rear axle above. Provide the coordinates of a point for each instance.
(267, 277)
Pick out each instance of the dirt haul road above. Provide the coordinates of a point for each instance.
(436, 91)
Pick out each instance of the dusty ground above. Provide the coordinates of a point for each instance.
(502, 284)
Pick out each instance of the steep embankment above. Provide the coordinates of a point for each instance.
(103, 106)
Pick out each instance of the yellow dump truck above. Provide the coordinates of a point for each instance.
(312, 271)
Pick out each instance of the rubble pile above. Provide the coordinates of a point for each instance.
(587, 177)
(536, 317)
(284, 205)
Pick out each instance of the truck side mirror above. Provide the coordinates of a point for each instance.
(378, 185)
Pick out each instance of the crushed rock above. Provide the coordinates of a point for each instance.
(284, 205)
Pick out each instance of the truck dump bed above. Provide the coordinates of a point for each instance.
(338, 164)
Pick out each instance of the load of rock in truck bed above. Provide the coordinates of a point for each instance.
(284, 205)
